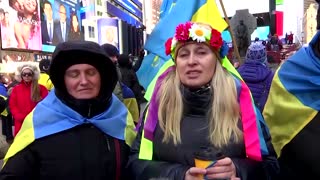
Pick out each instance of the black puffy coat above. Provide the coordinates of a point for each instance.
(81, 153)
(129, 77)
(172, 162)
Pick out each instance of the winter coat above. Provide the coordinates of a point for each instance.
(172, 161)
(258, 77)
(58, 142)
(44, 80)
(20, 102)
(82, 153)
(129, 77)
(300, 157)
(3, 90)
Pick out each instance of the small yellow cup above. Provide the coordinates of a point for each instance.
(201, 164)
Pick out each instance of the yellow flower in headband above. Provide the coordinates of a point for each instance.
(199, 33)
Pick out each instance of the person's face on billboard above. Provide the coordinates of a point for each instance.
(47, 9)
(75, 22)
(63, 12)
(30, 6)
(110, 34)
(18, 5)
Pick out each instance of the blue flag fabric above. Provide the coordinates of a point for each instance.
(166, 7)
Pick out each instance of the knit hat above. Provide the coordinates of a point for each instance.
(110, 49)
(28, 65)
(256, 52)
(124, 61)
(82, 52)
(44, 65)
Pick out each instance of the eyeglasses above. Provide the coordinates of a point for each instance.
(26, 74)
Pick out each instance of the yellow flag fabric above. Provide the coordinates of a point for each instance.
(44, 80)
(285, 114)
(209, 13)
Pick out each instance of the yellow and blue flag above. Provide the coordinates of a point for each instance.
(173, 13)
(130, 101)
(51, 116)
(294, 98)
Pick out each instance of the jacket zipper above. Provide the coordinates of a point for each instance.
(89, 112)
(108, 144)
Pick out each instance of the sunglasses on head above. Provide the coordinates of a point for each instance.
(27, 74)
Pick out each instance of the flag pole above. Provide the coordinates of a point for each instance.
(235, 47)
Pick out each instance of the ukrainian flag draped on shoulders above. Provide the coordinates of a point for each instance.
(51, 116)
(251, 118)
(174, 12)
(294, 98)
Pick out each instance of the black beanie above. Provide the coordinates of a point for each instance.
(44, 65)
(110, 49)
(82, 52)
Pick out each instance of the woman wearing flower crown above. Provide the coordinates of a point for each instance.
(201, 106)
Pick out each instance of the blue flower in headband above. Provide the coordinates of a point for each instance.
(224, 49)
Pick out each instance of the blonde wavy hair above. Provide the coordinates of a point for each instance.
(35, 89)
(223, 115)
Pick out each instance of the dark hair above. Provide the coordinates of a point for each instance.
(110, 49)
(44, 65)
(47, 2)
(71, 22)
(61, 5)
(11, 2)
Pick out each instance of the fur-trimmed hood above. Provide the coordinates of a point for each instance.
(34, 68)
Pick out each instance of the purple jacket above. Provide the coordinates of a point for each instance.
(258, 77)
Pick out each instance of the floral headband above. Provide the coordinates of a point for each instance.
(196, 32)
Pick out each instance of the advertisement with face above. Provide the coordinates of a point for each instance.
(59, 22)
(108, 31)
(20, 24)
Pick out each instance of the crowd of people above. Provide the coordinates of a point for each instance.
(80, 115)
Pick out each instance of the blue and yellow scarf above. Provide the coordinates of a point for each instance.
(51, 116)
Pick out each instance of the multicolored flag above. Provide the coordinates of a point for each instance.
(175, 12)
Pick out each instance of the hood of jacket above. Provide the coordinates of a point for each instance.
(254, 72)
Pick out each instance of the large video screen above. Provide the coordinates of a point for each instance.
(261, 33)
(60, 22)
(20, 24)
(39, 25)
